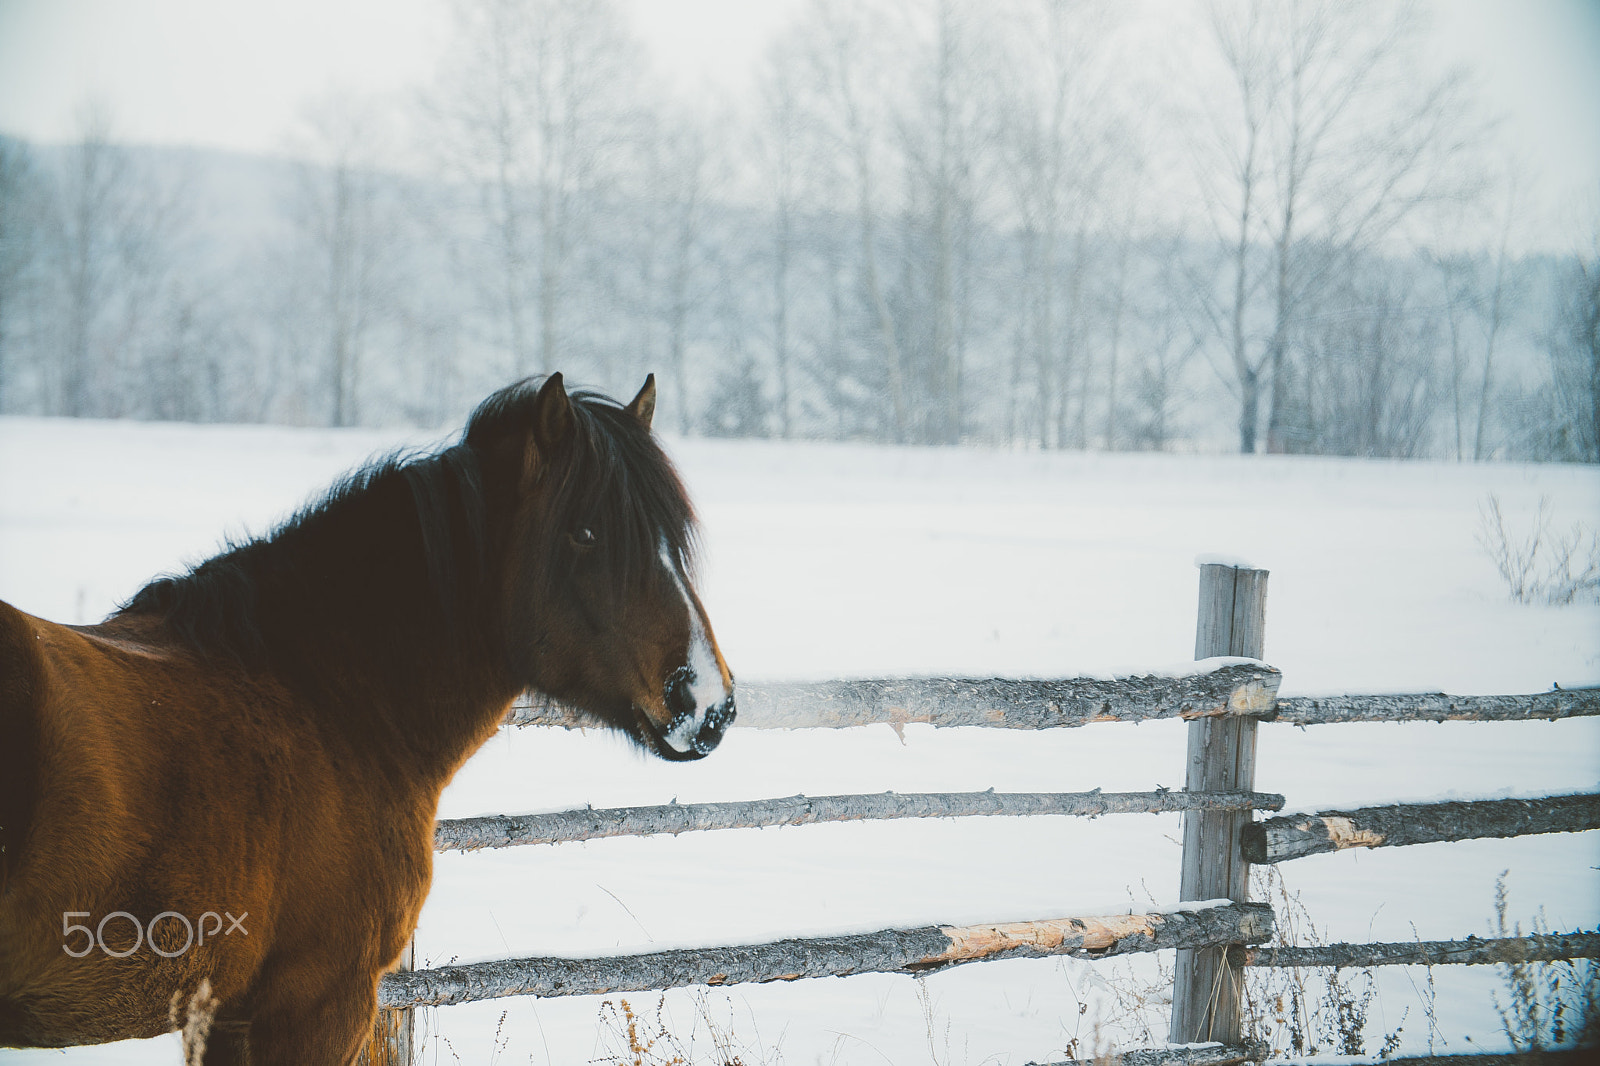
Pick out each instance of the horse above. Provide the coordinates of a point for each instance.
(263, 739)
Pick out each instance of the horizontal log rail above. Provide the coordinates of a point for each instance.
(1293, 836)
(502, 831)
(1228, 688)
(1545, 1057)
(1183, 1055)
(1545, 947)
(1438, 707)
(888, 951)
(1246, 690)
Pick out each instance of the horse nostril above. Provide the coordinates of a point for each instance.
(720, 717)
(716, 720)
(679, 692)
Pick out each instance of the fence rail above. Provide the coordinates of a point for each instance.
(1438, 707)
(1228, 689)
(1220, 687)
(1545, 947)
(501, 831)
(1294, 836)
(888, 951)
(1235, 1054)
(1205, 1055)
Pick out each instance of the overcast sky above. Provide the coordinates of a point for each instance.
(234, 74)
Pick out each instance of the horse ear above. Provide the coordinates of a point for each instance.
(643, 406)
(552, 414)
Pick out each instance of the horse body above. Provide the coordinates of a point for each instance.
(160, 796)
(266, 738)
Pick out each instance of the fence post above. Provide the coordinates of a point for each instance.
(1222, 756)
(392, 1033)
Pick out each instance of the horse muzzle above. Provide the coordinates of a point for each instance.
(700, 714)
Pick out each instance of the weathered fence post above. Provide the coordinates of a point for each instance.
(392, 1033)
(1222, 755)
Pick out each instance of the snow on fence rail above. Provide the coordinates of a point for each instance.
(1215, 687)
(887, 951)
(1224, 697)
(1227, 688)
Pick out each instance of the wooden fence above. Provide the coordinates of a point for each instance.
(1218, 932)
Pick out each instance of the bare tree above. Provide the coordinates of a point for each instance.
(945, 132)
(1057, 156)
(22, 204)
(1458, 300)
(92, 213)
(1477, 299)
(1573, 349)
(345, 237)
(1168, 336)
(844, 50)
(1332, 138)
(678, 175)
(535, 100)
(1368, 385)
(1495, 310)
(112, 231)
(780, 146)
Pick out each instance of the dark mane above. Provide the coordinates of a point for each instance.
(614, 480)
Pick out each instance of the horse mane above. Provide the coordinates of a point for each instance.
(614, 479)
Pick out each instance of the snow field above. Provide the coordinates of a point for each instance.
(837, 560)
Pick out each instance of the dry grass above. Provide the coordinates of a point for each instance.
(1547, 1005)
(651, 1037)
(1541, 564)
(1307, 1010)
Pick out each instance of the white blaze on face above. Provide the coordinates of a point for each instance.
(705, 675)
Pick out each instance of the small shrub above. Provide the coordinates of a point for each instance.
(1548, 1005)
(1541, 564)
(1298, 1011)
(648, 1038)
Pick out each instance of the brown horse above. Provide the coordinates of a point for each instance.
(216, 807)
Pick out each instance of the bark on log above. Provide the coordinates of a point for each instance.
(1188, 1055)
(1549, 947)
(1296, 835)
(1232, 689)
(888, 951)
(1219, 1055)
(1023, 704)
(1561, 1057)
(1438, 707)
(501, 831)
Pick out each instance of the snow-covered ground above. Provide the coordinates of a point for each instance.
(831, 560)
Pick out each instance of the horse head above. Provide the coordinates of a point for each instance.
(596, 535)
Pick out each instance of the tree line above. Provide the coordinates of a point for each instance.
(931, 222)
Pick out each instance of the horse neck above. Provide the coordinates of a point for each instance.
(355, 621)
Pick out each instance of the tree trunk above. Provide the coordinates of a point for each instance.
(1249, 410)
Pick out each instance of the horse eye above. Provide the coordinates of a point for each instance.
(584, 536)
